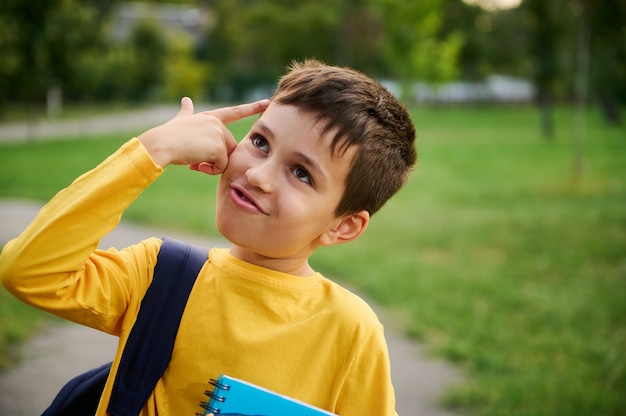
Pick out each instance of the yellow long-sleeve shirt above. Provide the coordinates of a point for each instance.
(308, 338)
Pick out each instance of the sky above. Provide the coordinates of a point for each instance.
(495, 4)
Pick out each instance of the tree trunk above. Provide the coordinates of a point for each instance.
(582, 88)
(547, 119)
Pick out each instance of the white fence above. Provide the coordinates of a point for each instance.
(495, 88)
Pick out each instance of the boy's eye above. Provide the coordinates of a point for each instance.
(302, 175)
(260, 142)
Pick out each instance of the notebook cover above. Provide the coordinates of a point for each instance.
(232, 396)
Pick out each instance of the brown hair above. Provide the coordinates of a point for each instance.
(360, 112)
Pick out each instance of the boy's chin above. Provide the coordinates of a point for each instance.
(237, 237)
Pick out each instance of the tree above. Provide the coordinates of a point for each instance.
(413, 48)
(71, 30)
(22, 38)
(549, 28)
(43, 41)
(184, 75)
(608, 53)
(555, 30)
(148, 52)
(253, 41)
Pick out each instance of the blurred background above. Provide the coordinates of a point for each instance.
(435, 51)
(506, 253)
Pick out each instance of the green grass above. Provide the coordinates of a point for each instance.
(502, 261)
(17, 322)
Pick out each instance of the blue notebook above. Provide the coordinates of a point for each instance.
(235, 397)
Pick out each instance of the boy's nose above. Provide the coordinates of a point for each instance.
(262, 176)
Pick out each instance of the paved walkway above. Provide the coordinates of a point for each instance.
(126, 122)
(61, 351)
(134, 122)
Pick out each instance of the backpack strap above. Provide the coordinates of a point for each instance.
(149, 347)
(80, 395)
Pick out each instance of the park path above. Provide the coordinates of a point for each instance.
(60, 351)
(135, 121)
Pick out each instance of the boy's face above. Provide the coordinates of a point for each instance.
(277, 197)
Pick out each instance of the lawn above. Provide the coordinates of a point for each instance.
(498, 257)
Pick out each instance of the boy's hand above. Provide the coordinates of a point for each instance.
(200, 140)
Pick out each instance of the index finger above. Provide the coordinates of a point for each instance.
(234, 113)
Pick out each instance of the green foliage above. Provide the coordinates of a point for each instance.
(148, 51)
(492, 42)
(608, 53)
(131, 71)
(252, 42)
(72, 27)
(66, 43)
(413, 48)
(42, 41)
(184, 76)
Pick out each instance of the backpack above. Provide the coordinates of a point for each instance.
(149, 347)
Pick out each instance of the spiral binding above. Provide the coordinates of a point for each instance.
(219, 385)
(214, 396)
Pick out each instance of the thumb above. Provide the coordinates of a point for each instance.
(186, 107)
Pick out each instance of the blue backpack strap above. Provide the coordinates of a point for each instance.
(80, 395)
(149, 347)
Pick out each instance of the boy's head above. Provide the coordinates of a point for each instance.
(359, 112)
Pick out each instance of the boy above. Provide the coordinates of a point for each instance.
(326, 153)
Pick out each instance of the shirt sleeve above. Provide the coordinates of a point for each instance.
(368, 389)
(54, 264)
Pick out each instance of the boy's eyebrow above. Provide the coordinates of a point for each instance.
(262, 126)
(304, 159)
(311, 165)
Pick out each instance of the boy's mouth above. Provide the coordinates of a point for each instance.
(245, 200)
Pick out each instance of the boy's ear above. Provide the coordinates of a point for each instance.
(349, 229)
